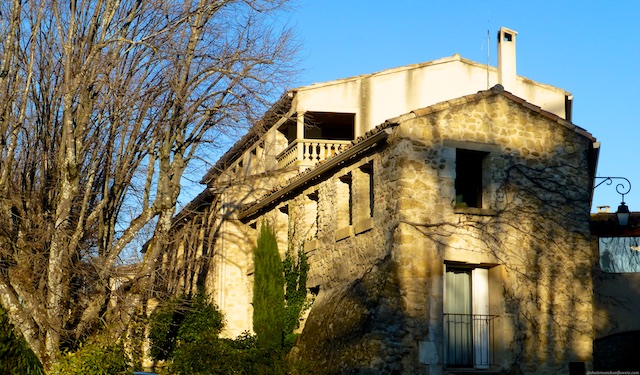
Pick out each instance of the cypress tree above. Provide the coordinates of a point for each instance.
(268, 291)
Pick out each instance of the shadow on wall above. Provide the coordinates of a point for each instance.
(617, 352)
(349, 329)
(617, 321)
(363, 327)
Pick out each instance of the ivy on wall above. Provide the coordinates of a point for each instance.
(295, 275)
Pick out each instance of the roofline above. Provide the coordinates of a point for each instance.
(192, 206)
(605, 224)
(264, 124)
(453, 58)
(257, 130)
(381, 132)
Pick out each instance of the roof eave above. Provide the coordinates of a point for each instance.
(319, 170)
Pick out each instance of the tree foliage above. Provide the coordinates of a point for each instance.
(185, 330)
(15, 356)
(268, 290)
(103, 106)
(181, 321)
(98, 357)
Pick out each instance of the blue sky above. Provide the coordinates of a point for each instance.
(590, 48)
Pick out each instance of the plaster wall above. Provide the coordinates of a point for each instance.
(380, 96)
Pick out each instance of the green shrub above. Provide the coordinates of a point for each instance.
(242, 356)
(16, 358)
(98, 357)
(184, 331)
(163, 328)
(202, 320)
(187, 328)
(181, 321)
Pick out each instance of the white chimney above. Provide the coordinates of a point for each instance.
(507, 58)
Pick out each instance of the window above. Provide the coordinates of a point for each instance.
(469, 182)
(239, 168)
(619, 254)
(468, 325)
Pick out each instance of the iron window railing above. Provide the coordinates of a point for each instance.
(469, 340)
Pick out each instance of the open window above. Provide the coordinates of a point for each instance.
(366, 189)
(469, 182)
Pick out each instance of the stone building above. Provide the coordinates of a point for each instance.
(616, 286)
(444, 209)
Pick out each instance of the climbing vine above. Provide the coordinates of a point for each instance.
(295, 275)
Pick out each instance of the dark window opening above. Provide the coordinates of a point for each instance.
(367, 169)
(289, 129)
(469, 178)
(284, 209)
(329, 125)
(504, 37)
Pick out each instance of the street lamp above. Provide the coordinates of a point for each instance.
(622, 188)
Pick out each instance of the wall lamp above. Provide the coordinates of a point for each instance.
(623, 188)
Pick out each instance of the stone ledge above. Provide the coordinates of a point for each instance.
(475, 211)
(311, 245)
(343, 233)
(364, 225)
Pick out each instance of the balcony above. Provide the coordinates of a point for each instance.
(469, 340)
(309, 152)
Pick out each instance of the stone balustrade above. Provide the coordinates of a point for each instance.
(308, 152)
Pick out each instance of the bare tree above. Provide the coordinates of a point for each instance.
(103, 105)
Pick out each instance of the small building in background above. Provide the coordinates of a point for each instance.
(616, 290)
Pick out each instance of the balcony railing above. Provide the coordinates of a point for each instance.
(308, 152)
(468, 340)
